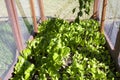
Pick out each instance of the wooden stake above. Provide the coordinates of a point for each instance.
(95, 9)
(103, 15)
(13, 16)
(41, 7)
(34, 16)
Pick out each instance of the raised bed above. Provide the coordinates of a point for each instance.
(63, 50)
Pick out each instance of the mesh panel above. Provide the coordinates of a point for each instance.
(7, 42)
(25, 18)
(112, 20)
(113, 11)
(100, 6)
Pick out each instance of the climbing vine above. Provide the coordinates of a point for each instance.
(84, 7)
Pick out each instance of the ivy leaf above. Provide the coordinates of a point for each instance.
(74, 10)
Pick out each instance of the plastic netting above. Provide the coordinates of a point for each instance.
(8, 47)
(112, 19)
(112, 22)
(7, 42)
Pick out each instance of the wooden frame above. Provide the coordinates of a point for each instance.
(12, 13)
(103, 15)
(34, 16)
(41, 7)
(13, 17)
(95, 9)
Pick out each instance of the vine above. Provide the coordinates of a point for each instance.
(84, 7)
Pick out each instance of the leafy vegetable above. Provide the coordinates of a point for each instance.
(66, 51)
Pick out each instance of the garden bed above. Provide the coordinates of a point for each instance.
(63, 51)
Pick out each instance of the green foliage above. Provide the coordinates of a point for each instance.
(84, 7)
(65, 51)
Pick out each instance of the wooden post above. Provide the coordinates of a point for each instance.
(12, 13)
(34, 16)
(41, 7)
(103, 15)
(95, 9)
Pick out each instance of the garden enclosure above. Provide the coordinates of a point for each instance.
(19, 20)
(16, 26)
(111, 28)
